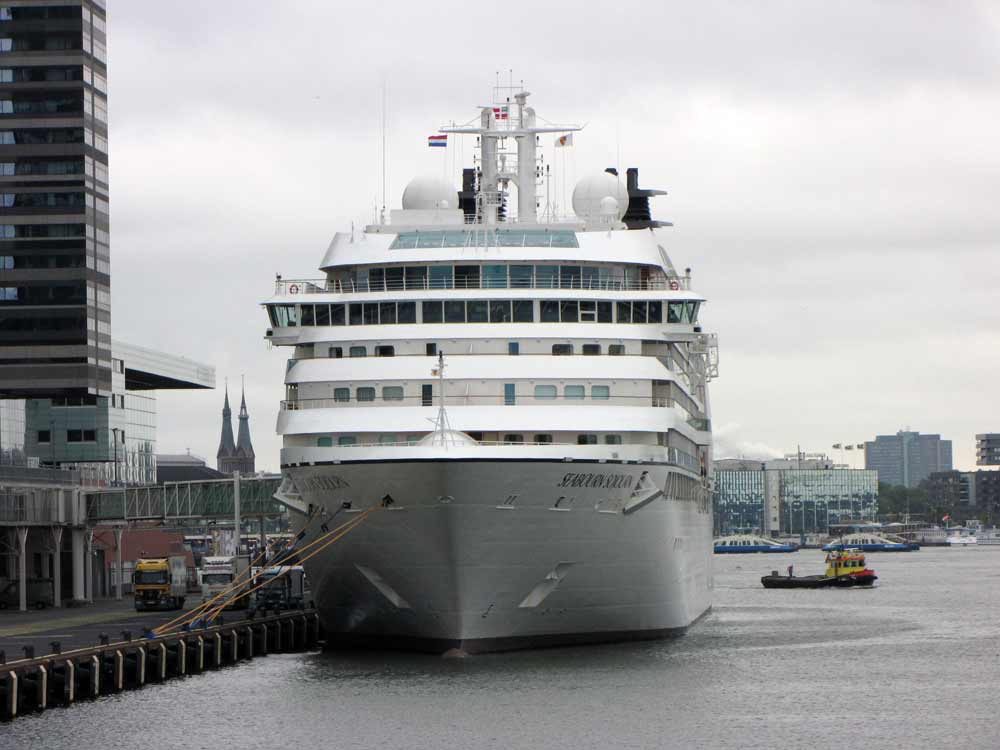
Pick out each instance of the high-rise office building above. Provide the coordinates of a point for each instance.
(907, 458)
(988, 449)
(55, 301)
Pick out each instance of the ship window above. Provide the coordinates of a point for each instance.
(520, 277)
(358, 351)
(604, 312)
(495, 277)
(416, 277)
(694, 311)
(406, 312)
(322, 315)
(549, 311)
(308, 318)
(591, 278)
(545, 391)
(543, 438)
(335, 352)
(514, 438)
(270, 308)
(394, 278)
(371, 313)
(357, 314)
(513, 347)
(431, 349)
(568, 311)
(638, 312)
(612, 439)
(392, 393)
(347, 440)
(376, 279)
(591, 349)
(524, 311)
(454, 311)
(588, 311)
(387, 439)
(690, 312)
(624, 312)
(466, 277)
(440, 277)
(575, 391)
(616, 350)
(562, 349)
(500, 311)
(288, 315)
(341, 394)
(324, 442)
(385, 351)
(427, 395)
(337, 315)
(387, 313)
(600, 392)
(432, 311)
(569, 277)
(477, 311)
(546, 277)
(675, 311)
(655, 312)
(366, 394)
(509, 394)
(587, 439)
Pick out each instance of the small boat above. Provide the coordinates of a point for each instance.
(738, 544)
(871, 543)
(960, 537)
(843, 568)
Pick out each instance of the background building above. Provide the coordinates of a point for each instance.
(988, 449)
(55, 277)
(238, 456)
(184, 467)
(907, 458)
(770, 498)
(107, 440)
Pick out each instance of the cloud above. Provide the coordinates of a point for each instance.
(832, 173)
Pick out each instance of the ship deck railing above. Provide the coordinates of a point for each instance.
(284, 287)
(671, 455)
(481, 400)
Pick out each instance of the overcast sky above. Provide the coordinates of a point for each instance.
(833, 173)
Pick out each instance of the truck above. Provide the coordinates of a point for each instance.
(160, 582)
(282, 587)
(217, 575)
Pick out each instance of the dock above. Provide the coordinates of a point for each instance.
(43, 667)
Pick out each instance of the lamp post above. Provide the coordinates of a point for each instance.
(114, 433)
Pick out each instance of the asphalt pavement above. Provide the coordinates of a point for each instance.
(76, 627)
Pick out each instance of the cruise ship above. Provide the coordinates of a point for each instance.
(521, 393)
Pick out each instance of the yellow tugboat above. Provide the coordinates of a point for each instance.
(843, 568)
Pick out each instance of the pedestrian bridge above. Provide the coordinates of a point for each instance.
(185, 501)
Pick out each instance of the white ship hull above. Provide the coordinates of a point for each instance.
(483, 555)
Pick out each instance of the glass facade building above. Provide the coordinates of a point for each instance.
(55, 301)
(801, 501)
(907, 458)
(12, 433)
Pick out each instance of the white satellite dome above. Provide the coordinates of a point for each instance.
(429, 193)
(591, 194)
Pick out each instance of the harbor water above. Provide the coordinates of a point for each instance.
(910, 663)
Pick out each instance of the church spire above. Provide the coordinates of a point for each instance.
(227, 447)
(244, 448)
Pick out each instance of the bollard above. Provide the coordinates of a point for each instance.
(103, 638)
(29, 652)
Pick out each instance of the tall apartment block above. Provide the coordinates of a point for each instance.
(55, 301)
(907, 458)
(988, 449)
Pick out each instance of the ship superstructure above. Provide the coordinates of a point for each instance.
(525, 393)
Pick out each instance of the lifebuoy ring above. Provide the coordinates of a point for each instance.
(293, 289)
(674, 285)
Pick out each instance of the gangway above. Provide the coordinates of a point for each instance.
(185, 501)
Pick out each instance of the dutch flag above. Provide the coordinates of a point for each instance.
(437, 140)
